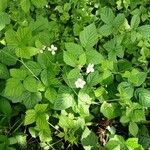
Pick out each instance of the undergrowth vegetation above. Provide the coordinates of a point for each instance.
(74, 74)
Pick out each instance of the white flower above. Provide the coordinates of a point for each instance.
(52, 49)
(44, 47)
(41, 51)
(80, 83)
(90, 68)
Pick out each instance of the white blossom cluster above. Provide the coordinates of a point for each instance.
(51, 49)
(79, 83)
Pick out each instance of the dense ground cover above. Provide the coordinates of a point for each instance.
(74, 74)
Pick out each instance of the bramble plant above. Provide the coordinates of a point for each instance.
(74, 74)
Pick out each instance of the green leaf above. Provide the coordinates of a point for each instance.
(30, 84)
(89, 138)
(41, 122)
(133, 144)
(110, 110)
(125, 90)
(7, 56)
(4, 19)
(5, 106)
(30, 117)
(144, 30)
(105, 30)
(94, 57)
(118, 21)
(74, 48)
(39, 3)
(13, 89)
(144, 97)
(18, 74)
(25, 5)
(133, 128)
(51, 95)
(32, 66)
(89, 36)
(135, 77)
(3, 5)
(26, 52)
(107, 15)
(84, 102)
(93, 78)
(63, 101)
(41, 107)
(69, 58)
(135, 21)
(31, 99)
(22, 39)
(4, 73)
(74, 73)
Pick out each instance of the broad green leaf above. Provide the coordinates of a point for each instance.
(74, 73)
(5, 106)
(93, 78)
(14, 88)
(89, 138)
(74, 48)
(135, 21)
(63, 101)
(33, 66)
(7, 56)
(41, 107)
(31, 99)
(82, 59)
(26, 52)
(125, 90)
(45, 135)
(143, 96)
(89, 36)
(110, 110)
(135, 77)
(30, 84)
(39, 3)
(118, 21)
(25, 5)
(133, 128)
(51, 95)
(41, 122)
(4, 20)
(18, 74)
(69, 58)
(30, 117)
(84, 102)
(4, 73)
(94, 57)
(107, 15)
(144, 30)
(105, 30)
(138, 115)
(3, 5)
(133, 143)
(106, 78)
